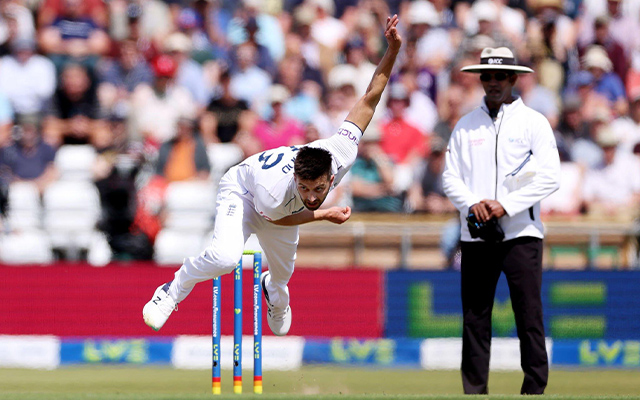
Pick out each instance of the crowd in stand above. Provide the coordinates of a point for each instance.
(155, 87)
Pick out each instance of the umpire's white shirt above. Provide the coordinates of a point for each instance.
(512, 159)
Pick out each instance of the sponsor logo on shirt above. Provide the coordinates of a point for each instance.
(348, 134)
(476, 142)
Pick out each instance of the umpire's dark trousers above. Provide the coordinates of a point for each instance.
(521, 261)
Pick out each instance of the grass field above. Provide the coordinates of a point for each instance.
(98, 383)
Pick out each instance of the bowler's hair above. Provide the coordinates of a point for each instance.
(311, 163)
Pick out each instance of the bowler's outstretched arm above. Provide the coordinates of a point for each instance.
(362, 111)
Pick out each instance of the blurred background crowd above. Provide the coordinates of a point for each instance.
(117, 118)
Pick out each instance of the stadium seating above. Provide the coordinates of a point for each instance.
(74, 162)
(25, 209)
(71, 212)
(190, 206)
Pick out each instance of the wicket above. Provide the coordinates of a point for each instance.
(237, 328)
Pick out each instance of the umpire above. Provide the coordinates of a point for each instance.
(501, 162)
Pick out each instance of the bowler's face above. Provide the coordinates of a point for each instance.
(497, 85)
(314, 192)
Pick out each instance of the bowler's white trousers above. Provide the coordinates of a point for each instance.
(236, 219)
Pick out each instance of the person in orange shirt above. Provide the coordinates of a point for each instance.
(185, 156)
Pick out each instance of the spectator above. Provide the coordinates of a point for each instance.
(50, 10)
(29, 158)
(120, 77)
(155, 110)
(189, 73)
(372, 177)
(615, 51)
(250, 82)
(74, 112)
(433, 44)
(585, 150)
(611, 190)
(422, 111)
(28, 79)
(305, 86)
(627, 128)
(572, 125)
(264, 60)
(16, 22)
(269, 32)
(426, 193)
(450, 108)
(325, 29)
(400, 140)
(184, 157)
(538, 97)
(226, 118)
(279, 129)
(73, 36)
(606, 82)
(114, 172)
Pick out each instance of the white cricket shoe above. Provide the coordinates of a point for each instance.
(157, 311)
(279, 320)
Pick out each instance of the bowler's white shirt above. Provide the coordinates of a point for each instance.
(267, 177)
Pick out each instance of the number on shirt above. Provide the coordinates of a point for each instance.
(264, 158)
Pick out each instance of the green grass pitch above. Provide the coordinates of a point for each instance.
(159, 383)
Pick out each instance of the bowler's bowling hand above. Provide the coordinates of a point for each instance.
(337, 215)
(391, 33)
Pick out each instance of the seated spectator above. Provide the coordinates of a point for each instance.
(29, 158)
(612, 189)
(28, 79)
(606, 82)
(627, 128)
(228, 119)
(585, 150)
(74, 112)
(156, 110)
(269, 34)
(114, 172)
(74, 36)
(264, 60)
(249, 82)
(50, 10)
(421, 111)
(120, 77)
(189, 73)
(433, 44)
(567, 200)
(582, 84)
(426, 193)
(185, 156)
(538, 97)
(401, 140)
(278, 129)
(16, 22)
(572, 123)
(449, 106)
(325, 29)
(613, 48)
(372, 177)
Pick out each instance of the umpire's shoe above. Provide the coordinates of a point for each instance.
(279, 319)
(156, 312)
